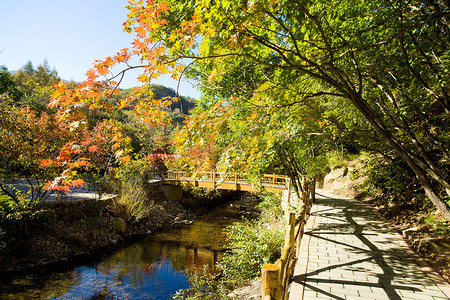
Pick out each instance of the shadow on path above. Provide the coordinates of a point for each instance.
(353, 254)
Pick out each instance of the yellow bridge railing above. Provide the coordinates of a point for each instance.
(226, 181)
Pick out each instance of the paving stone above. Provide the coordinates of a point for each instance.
(310, 294)
(351, 297)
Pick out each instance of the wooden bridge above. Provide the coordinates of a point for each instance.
(225, 181)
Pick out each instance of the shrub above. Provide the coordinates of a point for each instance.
(204, 285)
(271, 207)
(252, 244)
(15, 214)
(387, 178)
(439, 224)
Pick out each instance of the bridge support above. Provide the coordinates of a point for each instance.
(172, 192)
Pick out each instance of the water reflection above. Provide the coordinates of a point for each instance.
(133, 272)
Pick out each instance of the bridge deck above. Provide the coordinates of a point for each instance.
(225, 185)
(349, 253)
(216, 180)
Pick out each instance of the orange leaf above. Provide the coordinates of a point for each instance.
(77, 182)
(46, 162)
(65, 188)
(140, 32)
(164, 7)
(126, 159)
(137, 44)
(90, 74)
(93, 149)
(53, 103)
(48, 185)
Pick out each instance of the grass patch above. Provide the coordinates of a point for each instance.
(133, 199)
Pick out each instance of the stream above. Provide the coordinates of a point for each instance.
(151, 268)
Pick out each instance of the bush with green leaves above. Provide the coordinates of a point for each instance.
(203, 285)
(16, 209)
(271, 207)
(388, 178)
(15, 215)
(252, 244)
(438, 224)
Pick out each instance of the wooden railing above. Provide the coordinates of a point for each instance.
(276, 277)
(220, 180)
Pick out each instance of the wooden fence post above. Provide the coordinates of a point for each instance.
(303, 216)
(235, 181)
(288, 250)
(313, 191)
(214, 178)
(270, 282)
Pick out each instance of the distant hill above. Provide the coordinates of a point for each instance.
(161, 91)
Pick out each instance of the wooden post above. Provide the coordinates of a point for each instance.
(303, 215)
(301, 229)
(301, 201)
(273, 179)
(214, 178)
(313, 191)
(270, 282)
(288, 248)
(177, 175)
(235, 181)
(162, 175)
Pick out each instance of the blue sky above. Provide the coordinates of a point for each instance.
(70, 34)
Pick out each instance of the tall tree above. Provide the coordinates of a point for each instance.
(35, 85)
(42, 75)
(25, 140)
(7, 85)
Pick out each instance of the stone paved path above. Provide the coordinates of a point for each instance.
(349, 253)
(76, 194)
